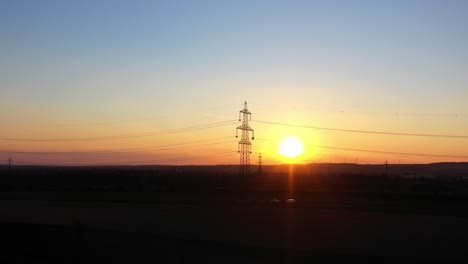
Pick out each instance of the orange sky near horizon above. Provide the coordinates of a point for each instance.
(218, 145)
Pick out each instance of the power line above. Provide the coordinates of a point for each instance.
(177, 158)
(363, 131)
(129, 150)
(163, 147)
(227, 123)
(220, 154)
(395, 113)
(394, 152)
(146, 134)
(384, 152)
(412, 114)
(345, 111)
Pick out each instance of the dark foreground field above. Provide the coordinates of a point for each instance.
(49, 231)
(335, 218)
(127, 232)
(32, 243)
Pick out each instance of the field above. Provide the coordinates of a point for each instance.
(207, 214)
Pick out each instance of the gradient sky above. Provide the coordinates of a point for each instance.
(73, 69)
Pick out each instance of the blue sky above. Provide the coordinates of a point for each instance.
(98, 61)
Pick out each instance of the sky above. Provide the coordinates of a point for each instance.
(101, 69)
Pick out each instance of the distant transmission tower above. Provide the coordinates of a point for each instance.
(244, 146)
(260, 164)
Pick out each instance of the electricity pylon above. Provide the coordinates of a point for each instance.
(260, 164)
(245, 146)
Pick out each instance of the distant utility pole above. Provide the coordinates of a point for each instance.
(386, 167)
(244, 146)
(9, 163)
(260, 164)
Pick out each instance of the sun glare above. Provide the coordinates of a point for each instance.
(291, 147)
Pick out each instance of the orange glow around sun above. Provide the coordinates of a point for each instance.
(291, 147)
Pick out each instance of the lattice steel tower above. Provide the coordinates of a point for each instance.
(260, 163)
(245, 146)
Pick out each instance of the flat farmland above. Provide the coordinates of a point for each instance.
(334, 229)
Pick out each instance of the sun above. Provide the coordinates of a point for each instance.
(291, 147)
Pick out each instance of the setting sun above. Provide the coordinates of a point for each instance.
(291, 147)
